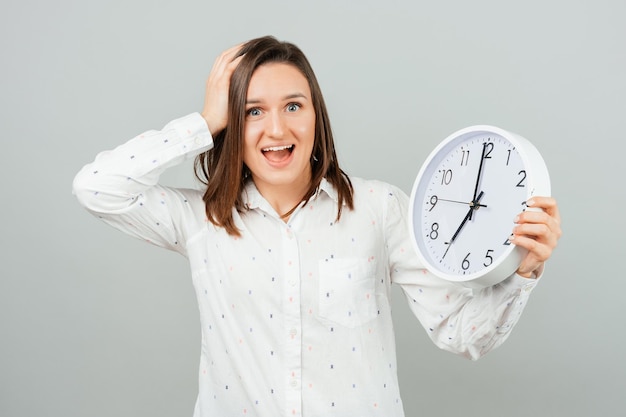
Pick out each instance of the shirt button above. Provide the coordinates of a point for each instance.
(197, 140)
(293, 383)
(293, 332)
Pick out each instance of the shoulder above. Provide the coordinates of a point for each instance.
(186, 205)
(375, 190)
(194, 198)
(380, 200)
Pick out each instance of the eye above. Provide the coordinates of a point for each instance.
(255, 111)
(291, 107)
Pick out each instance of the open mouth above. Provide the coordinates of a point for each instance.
(278, 153)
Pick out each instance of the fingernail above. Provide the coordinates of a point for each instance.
(530, 202)
(516, 219)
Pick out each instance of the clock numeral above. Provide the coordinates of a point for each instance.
(464, 157)
(447, 249)
(434, 231)
(466, 263)
(522, 173)
(433, 202)
(508, 158)
(489, 258)
(446, 176)
(507, 242)
(488, 148)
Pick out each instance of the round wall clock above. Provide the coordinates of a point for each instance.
(465, 199)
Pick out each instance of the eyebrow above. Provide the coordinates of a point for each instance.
(287, 97)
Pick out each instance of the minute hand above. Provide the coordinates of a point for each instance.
(480, 171)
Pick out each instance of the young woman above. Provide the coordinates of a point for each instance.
(292, 260)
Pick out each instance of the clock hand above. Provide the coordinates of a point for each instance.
(462, 202)
(474, 205)
(480, 171)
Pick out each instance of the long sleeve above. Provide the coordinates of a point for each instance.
(458, 319)
(121, 186)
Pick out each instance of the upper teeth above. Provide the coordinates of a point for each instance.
(277, 148)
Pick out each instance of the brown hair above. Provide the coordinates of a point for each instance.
(222, 168)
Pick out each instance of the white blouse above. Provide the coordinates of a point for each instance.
(295, 317)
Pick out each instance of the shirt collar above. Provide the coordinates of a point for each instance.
(252, 198)
(328, 188)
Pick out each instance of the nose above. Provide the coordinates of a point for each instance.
(274, 126)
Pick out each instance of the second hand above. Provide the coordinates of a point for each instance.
(461, 202)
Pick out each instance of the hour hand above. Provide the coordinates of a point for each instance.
(474, 205)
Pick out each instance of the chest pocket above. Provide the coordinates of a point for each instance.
(347, 291)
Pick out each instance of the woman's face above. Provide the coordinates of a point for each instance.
(279, 128)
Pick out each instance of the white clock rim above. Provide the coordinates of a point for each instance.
(538, 180)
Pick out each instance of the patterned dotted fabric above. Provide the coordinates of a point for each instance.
(295, 317)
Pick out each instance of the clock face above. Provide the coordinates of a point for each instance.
(464, 203)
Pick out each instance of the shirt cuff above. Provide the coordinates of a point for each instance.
(192, 128)
(519, 283)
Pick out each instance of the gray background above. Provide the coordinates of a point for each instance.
(94, 323)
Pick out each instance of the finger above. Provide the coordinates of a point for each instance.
(228, 54)
(539, 232)
(532, 229)
(230, 67)
(531, 216)
(539, 244)
(547, 204)
(540, 217)
(225, 58)
(537, 251)
(220, 77)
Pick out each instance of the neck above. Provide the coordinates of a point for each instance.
(283, 197)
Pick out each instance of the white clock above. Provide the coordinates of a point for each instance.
(465, 199)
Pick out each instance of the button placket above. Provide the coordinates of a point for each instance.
(293, 324)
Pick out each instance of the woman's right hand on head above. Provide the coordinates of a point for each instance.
(215, 110)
